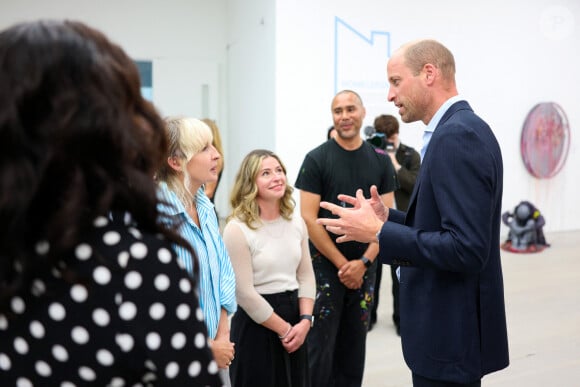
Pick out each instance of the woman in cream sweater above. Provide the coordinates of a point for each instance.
(275, 283)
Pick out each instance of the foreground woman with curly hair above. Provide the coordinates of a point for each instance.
(91, 292)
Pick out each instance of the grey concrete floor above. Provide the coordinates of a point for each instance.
(542, 293)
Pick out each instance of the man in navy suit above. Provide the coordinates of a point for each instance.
(453, 325)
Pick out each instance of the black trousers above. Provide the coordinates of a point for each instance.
(337, 342)
(260, 359)
(394, 290)
(378, 277)
(419, 381)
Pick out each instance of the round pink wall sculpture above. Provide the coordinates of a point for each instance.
(545, 140)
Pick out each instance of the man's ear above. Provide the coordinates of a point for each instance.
(174, 163)
(430, 73)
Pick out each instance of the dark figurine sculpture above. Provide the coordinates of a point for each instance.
(526, 229)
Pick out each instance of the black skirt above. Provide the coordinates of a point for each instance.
(260, 359)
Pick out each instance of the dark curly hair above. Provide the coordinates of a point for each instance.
(77, 140)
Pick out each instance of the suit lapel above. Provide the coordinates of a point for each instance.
(459, 105)
(412, 202)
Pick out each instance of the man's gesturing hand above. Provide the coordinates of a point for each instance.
(358, 223)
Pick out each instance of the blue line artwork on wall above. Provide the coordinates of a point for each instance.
(360, 60)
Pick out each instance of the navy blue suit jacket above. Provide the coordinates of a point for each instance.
(453, 325)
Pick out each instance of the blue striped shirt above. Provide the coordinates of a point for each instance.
(217, 284)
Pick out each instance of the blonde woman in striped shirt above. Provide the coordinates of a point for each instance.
(192, 161)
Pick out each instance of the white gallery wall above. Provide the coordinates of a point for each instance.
(184, 39)
(251, 84)
(510, 55)
(267, 70)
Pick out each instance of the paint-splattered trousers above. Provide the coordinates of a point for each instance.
(337, 342)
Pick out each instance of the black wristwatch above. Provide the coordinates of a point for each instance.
(366, 261)
(308, 317)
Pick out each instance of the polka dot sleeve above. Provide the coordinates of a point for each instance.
(128, 316)
(158, 305)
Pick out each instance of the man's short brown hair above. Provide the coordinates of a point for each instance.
(387, 124)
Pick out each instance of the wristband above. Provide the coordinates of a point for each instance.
(366, 261)
(308, 317)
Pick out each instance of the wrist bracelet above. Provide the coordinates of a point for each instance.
(285, 334)
(367, 262)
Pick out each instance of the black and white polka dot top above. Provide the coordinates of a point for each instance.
(131, 318)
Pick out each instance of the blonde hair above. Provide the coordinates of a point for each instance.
(186, 138)
(217, 141)
(245, 191)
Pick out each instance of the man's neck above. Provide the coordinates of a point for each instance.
(349, 144)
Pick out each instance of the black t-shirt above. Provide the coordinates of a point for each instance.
(329, 170)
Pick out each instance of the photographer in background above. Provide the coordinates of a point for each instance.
(406, 161)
